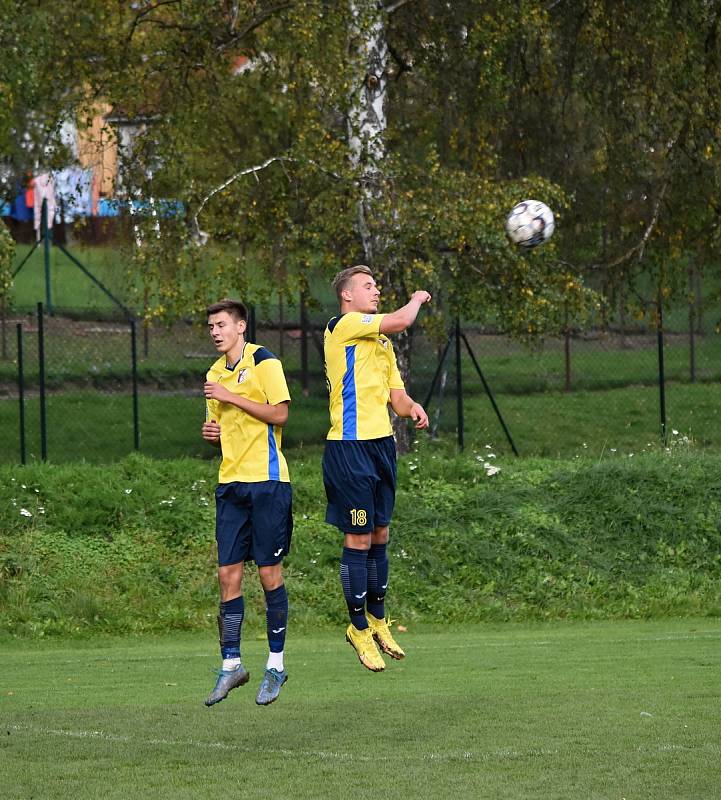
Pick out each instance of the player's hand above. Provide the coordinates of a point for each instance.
(421, 297)
(211, 432)
(214, 391)
(418, 415)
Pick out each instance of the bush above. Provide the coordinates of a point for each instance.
(130, 547)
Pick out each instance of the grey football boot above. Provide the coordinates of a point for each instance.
(227, 680)
(270, 686)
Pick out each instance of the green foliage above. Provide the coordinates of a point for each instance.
(608, 111)
(619, 103)
(7, 254)
(437, 218)
(51, 56)
(130, 547)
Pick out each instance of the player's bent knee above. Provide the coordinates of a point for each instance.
(271, 576)
(230, 579)
(358, 541)
(380, 535)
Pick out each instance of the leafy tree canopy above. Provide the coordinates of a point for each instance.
(606, 110)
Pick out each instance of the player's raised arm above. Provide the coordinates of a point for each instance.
(405, 316)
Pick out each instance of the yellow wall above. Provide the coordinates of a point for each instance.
(98, 150)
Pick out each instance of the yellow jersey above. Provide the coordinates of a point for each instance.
(251, 448)
(361, 369)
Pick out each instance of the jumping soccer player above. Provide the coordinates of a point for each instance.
(359, 463)
(247, 405)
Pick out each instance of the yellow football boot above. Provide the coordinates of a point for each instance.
(381, 632)
(362, 642)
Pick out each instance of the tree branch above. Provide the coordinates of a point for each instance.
(149, 10)
(403, 66)
(254, 23)
(389, 9)
(640, 246)
(200, 236)
(264, 16)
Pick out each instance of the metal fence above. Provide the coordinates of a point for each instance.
(73, 388)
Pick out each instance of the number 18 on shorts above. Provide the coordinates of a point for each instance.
(360, 483)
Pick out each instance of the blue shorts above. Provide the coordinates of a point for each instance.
(253, 522)
(360, 483)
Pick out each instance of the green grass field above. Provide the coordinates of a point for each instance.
(605, 710)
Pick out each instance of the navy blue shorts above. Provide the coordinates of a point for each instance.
(360, 483)
(253, 522)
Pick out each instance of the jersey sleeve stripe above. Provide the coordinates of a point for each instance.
(350, 417)
(333, 322)
(261, 354)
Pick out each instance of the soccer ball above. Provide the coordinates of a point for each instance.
(530, 223)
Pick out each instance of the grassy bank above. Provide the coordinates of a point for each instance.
(129, 547)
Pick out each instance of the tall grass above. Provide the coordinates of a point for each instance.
(129, 547)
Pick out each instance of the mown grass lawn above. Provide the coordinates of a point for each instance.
(97, 425)
(562, 710)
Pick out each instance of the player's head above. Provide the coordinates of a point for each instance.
(227, 321)
(356, 289)
(235, 308)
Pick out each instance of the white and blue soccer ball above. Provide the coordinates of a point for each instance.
(530, 223)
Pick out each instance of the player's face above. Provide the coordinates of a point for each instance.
(362, 294)
(226, 331)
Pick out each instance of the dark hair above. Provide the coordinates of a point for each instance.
(343, 278)
(234, 307)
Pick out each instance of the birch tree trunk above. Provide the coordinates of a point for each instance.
(367, 123)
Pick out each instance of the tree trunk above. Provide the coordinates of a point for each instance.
(367, 122)
(401, 430)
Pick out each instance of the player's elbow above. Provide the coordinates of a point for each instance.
(280, 416)
(400, 402)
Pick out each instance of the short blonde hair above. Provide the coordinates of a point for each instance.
(343, 278)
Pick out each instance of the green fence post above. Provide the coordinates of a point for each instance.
(47, 237)
(21, 391)
(134, 361)
(459, 385)
(661, 371)
(41, 383)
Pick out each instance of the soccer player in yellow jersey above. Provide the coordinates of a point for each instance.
(359, 463)
(247, 406)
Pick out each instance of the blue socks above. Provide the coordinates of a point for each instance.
(230, 621)
(354, 579)
(377, 569)
(276, 618)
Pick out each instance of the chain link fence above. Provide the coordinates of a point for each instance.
(74, 388)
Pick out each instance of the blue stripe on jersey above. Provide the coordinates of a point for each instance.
(350, 430)
(273, 463)
(261, 354)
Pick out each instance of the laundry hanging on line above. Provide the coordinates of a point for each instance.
(44, 190)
